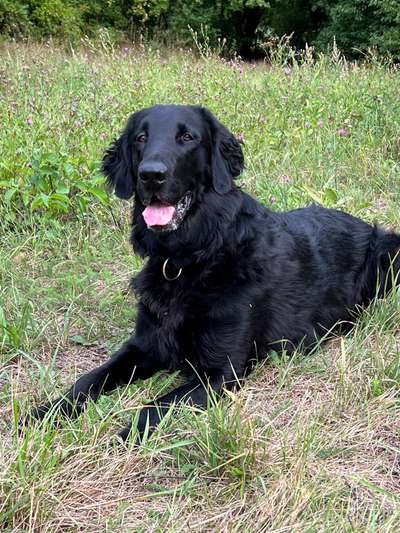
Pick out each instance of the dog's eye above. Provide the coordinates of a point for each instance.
(186, 137)
(141, 138)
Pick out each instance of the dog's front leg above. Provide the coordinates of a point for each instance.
(194, 392)
(132, 361)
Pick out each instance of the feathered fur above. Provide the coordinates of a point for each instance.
(252, 279)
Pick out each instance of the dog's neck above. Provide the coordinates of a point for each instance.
(205, 230)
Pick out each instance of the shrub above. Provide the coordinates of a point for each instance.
(14, 18)
(358, 25)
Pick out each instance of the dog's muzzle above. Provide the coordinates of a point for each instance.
(161, 216)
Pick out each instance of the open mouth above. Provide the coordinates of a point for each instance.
(167, 217)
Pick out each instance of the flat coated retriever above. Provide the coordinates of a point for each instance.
(226, 279)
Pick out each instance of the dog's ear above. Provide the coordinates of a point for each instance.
(227, 161)
(118, 169)
(118, 161)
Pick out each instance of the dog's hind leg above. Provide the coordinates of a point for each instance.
(381, 269)
(389, 262)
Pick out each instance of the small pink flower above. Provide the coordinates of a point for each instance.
(343, 132)
(320, 123)
(286, 179)
(125, 50)
(78, 123)
(307, 125)
(287, 71)
(240, 137)
(103, 136)
(29, 121)
(272, 200)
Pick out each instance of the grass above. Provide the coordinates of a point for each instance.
(309, 444)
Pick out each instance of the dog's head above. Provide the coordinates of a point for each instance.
(169, 156)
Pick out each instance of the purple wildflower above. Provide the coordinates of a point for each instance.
(343, 132)
(286, 179)
(307, 125)
(29, 121)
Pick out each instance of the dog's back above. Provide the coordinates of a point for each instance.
(320, 266)
(373, 252)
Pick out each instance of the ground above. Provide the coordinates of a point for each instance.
(309, 443)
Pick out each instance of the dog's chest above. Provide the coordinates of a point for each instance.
(175, 307)
(171, 302)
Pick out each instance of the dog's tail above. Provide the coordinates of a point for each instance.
(381, 271)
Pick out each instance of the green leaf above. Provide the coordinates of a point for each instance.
(9, 195)
(314, 195)
(60, 198)
(68, 169)
(5, 183)
(60, 202)
(62, 188)
(331, 195)
(45, 199)
(36, 203)
(78, 339)
(100, 194)
(26, 198)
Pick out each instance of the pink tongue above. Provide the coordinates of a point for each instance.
(158, 214)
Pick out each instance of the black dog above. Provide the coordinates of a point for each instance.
(226, 279)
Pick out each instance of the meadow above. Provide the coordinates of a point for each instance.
(309, 443)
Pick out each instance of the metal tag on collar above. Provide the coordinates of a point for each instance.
(164, 271)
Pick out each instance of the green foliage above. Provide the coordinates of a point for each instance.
(235, 21)
(358, 25)
(14, 18)
(70, 19)
(13, 335)
(55, 183)
(243, 26)
(41, 18)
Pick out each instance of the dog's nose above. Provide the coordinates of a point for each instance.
(154, 171)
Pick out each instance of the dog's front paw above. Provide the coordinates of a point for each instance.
(62, 406)
(40, 411)
(33, 416)
(124, 434)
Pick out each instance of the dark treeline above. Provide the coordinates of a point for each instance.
(246, 25)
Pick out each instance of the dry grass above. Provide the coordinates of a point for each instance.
(327, 458)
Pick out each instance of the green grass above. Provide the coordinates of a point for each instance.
(309, 444)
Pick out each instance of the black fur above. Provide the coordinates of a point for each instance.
(252, 280)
